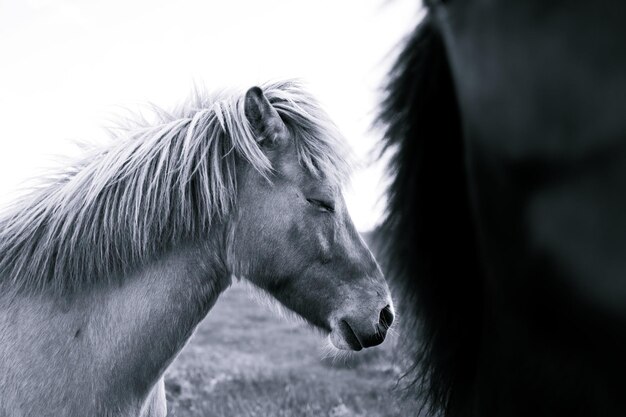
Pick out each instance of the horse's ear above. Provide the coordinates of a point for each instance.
(269, 129)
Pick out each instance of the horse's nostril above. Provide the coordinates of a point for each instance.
(386, 317)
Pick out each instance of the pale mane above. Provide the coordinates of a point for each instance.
(152, 187)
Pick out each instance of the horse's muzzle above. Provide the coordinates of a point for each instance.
(356, 333)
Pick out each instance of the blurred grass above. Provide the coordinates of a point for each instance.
(245, 361)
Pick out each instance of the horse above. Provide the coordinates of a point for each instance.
(107, 267)
(505, 227)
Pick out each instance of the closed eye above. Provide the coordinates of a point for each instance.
(321, 204)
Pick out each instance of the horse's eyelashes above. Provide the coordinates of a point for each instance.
(324, 205)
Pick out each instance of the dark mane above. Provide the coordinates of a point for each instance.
(505, 230)
(428, 232)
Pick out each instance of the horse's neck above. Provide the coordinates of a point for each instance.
(109, 344)
(140, 326)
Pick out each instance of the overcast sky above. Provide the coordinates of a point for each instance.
(68, 66)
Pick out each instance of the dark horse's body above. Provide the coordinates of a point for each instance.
(507, 212)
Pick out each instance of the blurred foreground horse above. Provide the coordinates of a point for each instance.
(507, 213)
(106, 271)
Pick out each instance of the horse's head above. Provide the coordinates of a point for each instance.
(293, 238)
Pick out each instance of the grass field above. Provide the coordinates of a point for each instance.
(244, 360)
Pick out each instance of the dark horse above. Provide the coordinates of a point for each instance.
(506, 225)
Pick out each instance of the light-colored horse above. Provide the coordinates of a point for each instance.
(106, 271)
